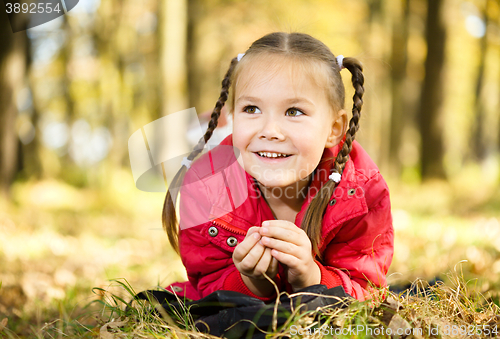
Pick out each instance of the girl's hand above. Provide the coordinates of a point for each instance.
(252, 260)
(291, 246)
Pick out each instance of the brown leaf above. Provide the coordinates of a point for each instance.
(104, 334)
(399, 325)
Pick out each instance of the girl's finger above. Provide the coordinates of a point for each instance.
(245, 246)
(286, 259)
(264, 262)
(252, 258)
(280, 245)
(279, 233)
(252, 230)
(285, 232)
(284, 224)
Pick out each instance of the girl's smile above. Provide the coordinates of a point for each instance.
(272, 158)
(282, 121)
(265, 154)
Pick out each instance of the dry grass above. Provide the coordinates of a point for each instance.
(448, 311)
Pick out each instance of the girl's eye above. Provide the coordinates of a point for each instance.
(293, 112)
(251, 110)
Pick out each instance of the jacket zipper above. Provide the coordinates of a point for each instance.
(228, 227)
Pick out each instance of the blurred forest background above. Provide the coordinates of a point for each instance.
(73, 90)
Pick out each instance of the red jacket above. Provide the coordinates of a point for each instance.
(220, 202)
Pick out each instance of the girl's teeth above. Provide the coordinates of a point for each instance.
(272, 155)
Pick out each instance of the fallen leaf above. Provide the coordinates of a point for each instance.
(401, 327)
(103, 332)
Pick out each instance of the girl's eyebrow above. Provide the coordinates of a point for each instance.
(299, 100)
(250, 99)
(291, 101)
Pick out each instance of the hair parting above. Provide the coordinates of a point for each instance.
(169, 216)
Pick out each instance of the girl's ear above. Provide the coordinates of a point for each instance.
(339, 127)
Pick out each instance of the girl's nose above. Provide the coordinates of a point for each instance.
(271, 129)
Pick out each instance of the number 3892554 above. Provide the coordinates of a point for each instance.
(40, 7)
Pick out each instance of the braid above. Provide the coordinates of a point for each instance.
(357, 81)
(312, 221)
(214, 118)
(169, 217)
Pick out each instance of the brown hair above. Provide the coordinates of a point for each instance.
(300, 47)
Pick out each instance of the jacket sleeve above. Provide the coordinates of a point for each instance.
(207, 265)
(359, 255)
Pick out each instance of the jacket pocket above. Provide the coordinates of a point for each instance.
(223, 234)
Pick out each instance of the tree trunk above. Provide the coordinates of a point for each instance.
(498, 102)
(12, 75)
(173, 55)
(30, 153)
(193, 74)
(430, 115)
(173, 27)
(479, 142)
(399, 60)
(375, 125)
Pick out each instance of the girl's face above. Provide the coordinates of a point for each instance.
(282, 121)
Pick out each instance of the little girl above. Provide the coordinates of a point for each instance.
(310, 206)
